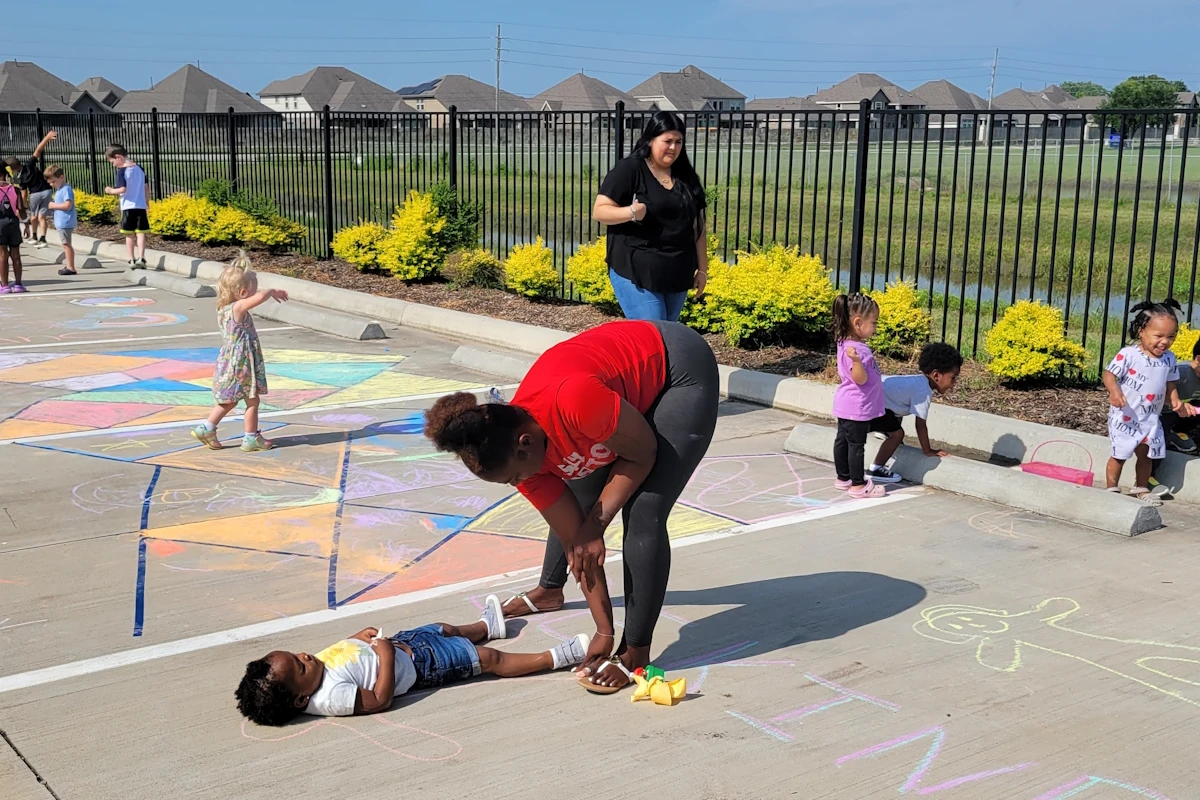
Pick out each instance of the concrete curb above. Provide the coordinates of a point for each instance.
(1079, 505)
(322, 320)
(171, 283)
(489, 362)
(955, 427)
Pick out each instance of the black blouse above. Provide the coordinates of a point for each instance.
(659, 253)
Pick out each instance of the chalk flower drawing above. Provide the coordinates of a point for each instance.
(1002, 637)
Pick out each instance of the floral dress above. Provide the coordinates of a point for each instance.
(241, 373)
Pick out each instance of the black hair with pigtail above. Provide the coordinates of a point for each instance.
(845, 308)
(1147, 310)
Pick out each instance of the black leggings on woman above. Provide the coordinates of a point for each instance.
(683, 418)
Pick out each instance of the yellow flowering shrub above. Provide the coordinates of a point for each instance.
(588, 270)
(98, 209)
(201, 215)
(476, 267)
(169, 217)
(1185, 342)
(530, 271)
(274, 233)
(1028, 344)
(413, 250)
(903, 322)
(772, 295)
(359, 244)
(226, 226)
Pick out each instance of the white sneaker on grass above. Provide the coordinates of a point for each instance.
(883, 474)
(493, 617)
(571, 652)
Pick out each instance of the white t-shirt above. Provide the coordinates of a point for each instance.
(351, 665)
(907, 394)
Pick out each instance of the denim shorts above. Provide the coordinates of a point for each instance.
(439, 659)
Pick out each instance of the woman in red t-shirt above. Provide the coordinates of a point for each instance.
(614, 420)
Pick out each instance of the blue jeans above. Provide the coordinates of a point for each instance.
(439, 659)
(639, 303)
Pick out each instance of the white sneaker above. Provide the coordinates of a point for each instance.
(571, 652)
(883, 475)
(493, 615)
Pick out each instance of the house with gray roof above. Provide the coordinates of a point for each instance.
(1186, 126)
(691, 89)
(942, 95)
(466, 94)
(103, 90)
(879, 92)
(337, 87)
(28, 87)
(191, 90)
(794, 113)
(564, 103)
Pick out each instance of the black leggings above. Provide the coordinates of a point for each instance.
(683, 418)
(848, 450)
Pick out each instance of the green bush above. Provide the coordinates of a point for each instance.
(259, 206)
(414, 249)
(169, 217)
(462, 219)
(217, 191)
(775, 295)
(359, 244)
(1028, 344)
(904, 323)
(529, 270)
(475, 267)
(276, 233)
(96, 209)
(588, 270)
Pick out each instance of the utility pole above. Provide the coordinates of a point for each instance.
(497, 68)
(991, 90)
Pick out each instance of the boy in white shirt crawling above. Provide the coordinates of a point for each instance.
(940, 365)
(362, 674)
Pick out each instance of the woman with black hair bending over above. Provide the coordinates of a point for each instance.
(614, 420)
(653, 205)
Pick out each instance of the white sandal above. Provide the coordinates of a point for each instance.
(523, 597)
(1146, 496)
(589, 681)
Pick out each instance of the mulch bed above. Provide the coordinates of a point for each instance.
(1081, 407)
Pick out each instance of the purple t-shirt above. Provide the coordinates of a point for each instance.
(851, 401)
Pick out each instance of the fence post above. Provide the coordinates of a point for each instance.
(453, 147)
(858, 222)
(155, 155)
(327, 136)
(40, 129)
(620, 123)
(92, 152)
(233, 169)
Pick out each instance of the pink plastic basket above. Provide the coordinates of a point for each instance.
(1059, 472)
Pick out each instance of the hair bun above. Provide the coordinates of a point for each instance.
(444, 413)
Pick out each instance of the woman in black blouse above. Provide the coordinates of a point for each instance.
(653, 205)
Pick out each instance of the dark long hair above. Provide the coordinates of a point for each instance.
(845, 309)
(682, 170)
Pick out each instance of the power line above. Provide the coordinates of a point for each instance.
(840, 71)
(272, 62)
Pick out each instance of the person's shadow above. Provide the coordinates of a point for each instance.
(777, 613)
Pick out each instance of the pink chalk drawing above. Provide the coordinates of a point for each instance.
(844, 695)
(724, 486)
(1085, 782)
(307, 729)
(937, 737)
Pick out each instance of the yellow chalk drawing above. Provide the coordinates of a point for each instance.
(307, 530)
(22, 428)
(74, 366)
(392, 384)
(339, 655)
(1001, 638)
(1002, 523)
(321, 357)
(312, 465)
(516, 517)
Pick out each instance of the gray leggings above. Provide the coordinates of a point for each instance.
(683, 418)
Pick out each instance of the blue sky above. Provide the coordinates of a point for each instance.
(765, 48)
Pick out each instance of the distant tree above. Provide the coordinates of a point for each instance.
(1079, 89)
(1142, 91)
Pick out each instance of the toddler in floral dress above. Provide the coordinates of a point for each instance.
(241, 374)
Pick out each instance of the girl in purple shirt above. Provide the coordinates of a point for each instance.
(858, 399)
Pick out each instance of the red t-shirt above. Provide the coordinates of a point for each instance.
(574, 391)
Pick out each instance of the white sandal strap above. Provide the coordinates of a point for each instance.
(614, 662)
(528, 603)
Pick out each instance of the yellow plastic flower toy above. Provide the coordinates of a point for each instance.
(657, 689)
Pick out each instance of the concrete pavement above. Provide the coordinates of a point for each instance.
(922, 644)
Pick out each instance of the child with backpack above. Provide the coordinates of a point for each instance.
(10, 235)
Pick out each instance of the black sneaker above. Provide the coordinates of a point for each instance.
(1181, 443)
(883, 475)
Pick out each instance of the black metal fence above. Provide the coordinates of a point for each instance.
(1089, 211)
